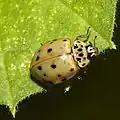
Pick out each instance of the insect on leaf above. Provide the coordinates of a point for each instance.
(24, 24)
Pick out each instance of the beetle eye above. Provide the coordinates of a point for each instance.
(93, 55)
(91, 52)
(90, 49)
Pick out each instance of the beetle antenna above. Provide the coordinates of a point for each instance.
(95, 45)
(86, 36)
(88, 30)
(94, 42)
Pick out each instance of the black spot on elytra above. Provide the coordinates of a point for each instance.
(59, 75)
(81, 45)
(75, 46)
(49, 50)
(80, 49)
(39, 67)
(78, 59)
(53, 66)
(44, 74)
(84, 58)
(78, 41)
(53, 41)
(64, 40)
(63, 79)
(72, 69)
(83, 64)
(81, 54)
(38, 51)
(37, 58)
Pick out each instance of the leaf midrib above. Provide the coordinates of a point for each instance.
(85, 21)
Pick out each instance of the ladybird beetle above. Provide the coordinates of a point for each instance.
(60, 60)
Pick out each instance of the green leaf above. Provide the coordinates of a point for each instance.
(24, 24)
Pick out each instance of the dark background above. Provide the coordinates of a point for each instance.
(95, 97)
